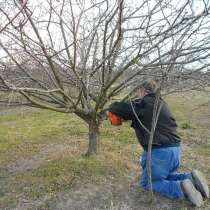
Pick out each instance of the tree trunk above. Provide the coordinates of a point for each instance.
(93, 138)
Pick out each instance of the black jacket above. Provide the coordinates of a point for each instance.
(166, 129)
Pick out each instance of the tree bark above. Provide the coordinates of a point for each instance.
(93, 138)
(156, 112)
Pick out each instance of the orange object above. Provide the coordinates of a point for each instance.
(114, 119)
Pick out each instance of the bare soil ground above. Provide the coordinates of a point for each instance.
(111, 191)
(86, 195)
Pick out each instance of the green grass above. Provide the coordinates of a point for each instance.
(203, 150)
(188, 104)
(24, 134)
(124, 134)
(192, 115)
(38, 124)
(60, 175)
(19, 131)
(7, 201)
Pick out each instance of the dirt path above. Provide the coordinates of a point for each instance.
(107, 195)
(113, 196)
(110, 196)
(5, 110)
(46, 153)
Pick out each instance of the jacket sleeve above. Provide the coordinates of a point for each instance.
(122, 109)
(125, 111)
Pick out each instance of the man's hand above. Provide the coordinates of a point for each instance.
(103, 114)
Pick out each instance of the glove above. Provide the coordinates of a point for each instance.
(114, 119)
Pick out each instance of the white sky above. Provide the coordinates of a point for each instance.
(39, 8)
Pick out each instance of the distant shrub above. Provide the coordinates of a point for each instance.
(185, 125)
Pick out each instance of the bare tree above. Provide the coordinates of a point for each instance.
(74, 56)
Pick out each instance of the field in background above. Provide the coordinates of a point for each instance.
(42, 164)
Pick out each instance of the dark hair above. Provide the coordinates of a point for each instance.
(150, 86)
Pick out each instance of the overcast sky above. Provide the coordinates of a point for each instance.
(40, 8)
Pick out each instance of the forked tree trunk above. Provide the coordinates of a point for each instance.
(93, 138)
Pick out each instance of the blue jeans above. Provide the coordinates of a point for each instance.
(165, 179)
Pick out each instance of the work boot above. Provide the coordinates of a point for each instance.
(193, 195)
(200, 183)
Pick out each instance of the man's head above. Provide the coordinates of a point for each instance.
(149, 86)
